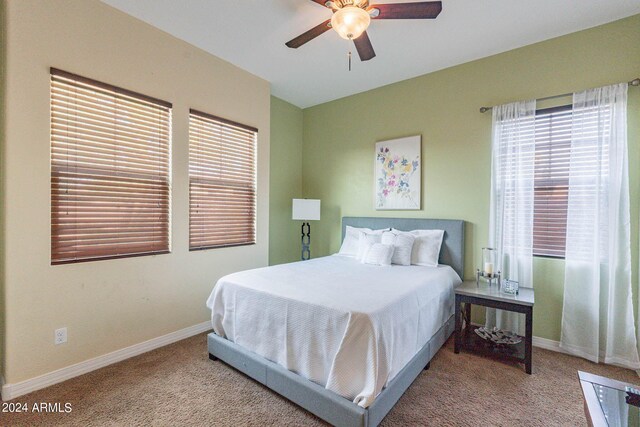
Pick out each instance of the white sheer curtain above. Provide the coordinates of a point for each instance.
(511, 216)
(597, 316)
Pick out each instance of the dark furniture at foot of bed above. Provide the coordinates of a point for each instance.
(326, 404)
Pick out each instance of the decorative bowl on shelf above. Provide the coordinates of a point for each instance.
(498, 336)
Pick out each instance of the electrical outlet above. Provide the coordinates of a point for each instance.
(60, 336)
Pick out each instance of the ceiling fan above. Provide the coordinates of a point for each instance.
(351, 18)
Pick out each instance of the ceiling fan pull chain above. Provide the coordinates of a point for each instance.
(349, 60)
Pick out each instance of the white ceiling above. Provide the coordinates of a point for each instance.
(251, 34)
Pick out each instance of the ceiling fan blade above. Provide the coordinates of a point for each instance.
(309, 35)
(417, 10)
(364, 47)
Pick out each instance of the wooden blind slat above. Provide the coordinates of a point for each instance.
(80, 82)
(110, 164)
(222, 182)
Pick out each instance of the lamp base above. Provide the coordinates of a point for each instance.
(306, 241)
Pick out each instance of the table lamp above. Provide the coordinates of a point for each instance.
(306, 210)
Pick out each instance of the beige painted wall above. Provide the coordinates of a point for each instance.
(3, 62)
(339, 139)
(108, 305)
(285, 180)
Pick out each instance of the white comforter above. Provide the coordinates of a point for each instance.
(348, 326)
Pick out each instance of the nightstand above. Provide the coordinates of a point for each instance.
(468, 293)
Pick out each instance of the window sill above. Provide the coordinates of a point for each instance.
(109, 257)
(232, 245)
(549, 257)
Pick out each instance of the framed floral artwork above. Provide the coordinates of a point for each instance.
(398, 174)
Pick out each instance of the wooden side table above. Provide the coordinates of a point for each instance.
(490, 296)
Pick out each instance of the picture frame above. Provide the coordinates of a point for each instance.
(510, 287)
(398, 174)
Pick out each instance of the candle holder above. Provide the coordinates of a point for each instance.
(488, 271)
(488, 261)
(495, 276)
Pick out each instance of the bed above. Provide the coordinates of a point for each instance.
(341, 342)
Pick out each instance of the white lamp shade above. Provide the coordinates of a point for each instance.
(306, 209)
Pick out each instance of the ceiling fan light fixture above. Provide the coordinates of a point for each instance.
(350, 22)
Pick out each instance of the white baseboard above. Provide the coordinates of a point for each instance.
(548, 344)
(11, 391)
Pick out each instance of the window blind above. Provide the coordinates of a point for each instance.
(110, 171)
(553, 151)
(222, 182)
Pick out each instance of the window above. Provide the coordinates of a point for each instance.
(110, 188)
(551, 183)
(222, 182)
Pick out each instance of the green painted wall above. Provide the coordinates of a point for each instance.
(339, 138)
(285, 181)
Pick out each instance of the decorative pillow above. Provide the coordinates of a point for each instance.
(350, 243)
(402, 245)
(365, 241)
(379, 254)
(426, 248)
(351, 237)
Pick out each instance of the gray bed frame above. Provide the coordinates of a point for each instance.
(326, 404)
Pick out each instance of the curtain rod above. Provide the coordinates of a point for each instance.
(634, 82)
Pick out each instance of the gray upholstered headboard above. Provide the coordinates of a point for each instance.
(452, 251)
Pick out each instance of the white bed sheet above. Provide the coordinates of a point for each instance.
(347, 326)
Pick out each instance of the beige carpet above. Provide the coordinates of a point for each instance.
(179, 386)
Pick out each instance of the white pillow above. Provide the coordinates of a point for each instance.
(426, 248)
(365, 241)
(351, 236)
(402, 245)
(379, 254)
